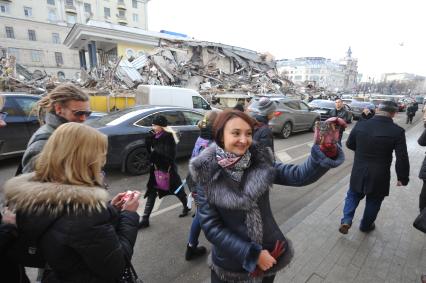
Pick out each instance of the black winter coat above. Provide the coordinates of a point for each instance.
(422, 142)
(263, 134)
(374, 141)
(82, 238)
(236, 217)
(162, 156)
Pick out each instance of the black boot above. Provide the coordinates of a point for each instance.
(185, 211)
(147, 211)
(144, 223)
(194, 252)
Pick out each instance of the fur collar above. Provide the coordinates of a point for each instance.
(28, 196)
(221, 190)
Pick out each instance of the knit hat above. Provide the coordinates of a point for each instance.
(266, 106)
(388, 106)
(160, 120)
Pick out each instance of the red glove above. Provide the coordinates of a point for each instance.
(329, 149)
(276, 253)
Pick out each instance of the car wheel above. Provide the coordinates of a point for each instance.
(312, 129)
(286, 131)
(137, 162)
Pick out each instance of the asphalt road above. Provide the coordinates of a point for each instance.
(159, 250)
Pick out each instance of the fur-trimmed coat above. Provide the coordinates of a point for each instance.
(236, 217)
(81, 236)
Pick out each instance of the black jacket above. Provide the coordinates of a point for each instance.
(411, 110)
(82, 238)
(422, 142)
(374, 141)
(342, 113)
(236, 217)
(263, 134)
(162, 156)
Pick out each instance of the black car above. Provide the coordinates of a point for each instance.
(358, 106)
(323, 107)
(127, 129)
(21, 122)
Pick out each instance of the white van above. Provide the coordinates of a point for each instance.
(171, 96)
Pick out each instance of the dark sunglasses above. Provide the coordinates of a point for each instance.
(80, 113)
(3, 115)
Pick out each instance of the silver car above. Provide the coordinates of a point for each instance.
(292, 115)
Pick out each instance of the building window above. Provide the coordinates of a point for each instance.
(35, 56)
(4, 8)
(87, 8)
(32, 35)
(9, 32)
(58, 58)
(51, 2)
(121, 14)
(135, 17)
(107, 12)
(55, 38)
(135, 4)
(69, 2)
(71, 18)
(28, 11)
(51, 15)
(61, 75)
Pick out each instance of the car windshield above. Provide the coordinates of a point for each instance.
(323, 103)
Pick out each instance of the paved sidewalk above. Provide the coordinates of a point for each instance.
(394, 252)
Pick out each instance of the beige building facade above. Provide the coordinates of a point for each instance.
(34, 30)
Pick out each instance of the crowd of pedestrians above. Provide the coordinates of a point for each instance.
(59, 217)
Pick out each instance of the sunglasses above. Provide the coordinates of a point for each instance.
(80, 113)
(3, 115)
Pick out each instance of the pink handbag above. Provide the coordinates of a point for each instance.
(162, 179)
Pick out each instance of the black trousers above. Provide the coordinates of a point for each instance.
(422, 197)
(216, 279)
(150, 202)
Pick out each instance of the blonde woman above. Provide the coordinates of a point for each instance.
(63, 207)
(161, 145)
(66, 103)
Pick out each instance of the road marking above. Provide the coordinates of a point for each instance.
(166, 209)
(283, 156)
(157, 204)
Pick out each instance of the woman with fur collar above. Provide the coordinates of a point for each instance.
(234, 177)
(64, 209)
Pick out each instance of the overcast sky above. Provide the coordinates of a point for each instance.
(385, 36)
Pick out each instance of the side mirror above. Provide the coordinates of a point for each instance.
(206, 107)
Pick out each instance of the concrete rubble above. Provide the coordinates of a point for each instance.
(210, 68)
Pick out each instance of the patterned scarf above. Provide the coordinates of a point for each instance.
(233, 164)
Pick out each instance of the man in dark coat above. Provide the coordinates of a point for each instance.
(340, 112)
(265, 112)
(411, 112)
(374, 141)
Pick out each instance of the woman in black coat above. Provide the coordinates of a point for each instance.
(161, 144)
(233, 178)
(65, 212)
(422, 173)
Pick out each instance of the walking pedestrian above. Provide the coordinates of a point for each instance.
(161, 144)
(422, 174)
(66, 103)
(204, 140)
(374, 141)
(340, 112)
(262, 132)
(233, 178)
(411, 112)
(63, 208)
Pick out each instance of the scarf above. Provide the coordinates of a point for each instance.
(233, 164)
(158, 135)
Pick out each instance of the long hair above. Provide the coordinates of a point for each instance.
(60, 94)
(74, 154)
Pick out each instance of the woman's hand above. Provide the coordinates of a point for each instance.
(118, 201)
(132, 203)
(265, 260)
(8, 216)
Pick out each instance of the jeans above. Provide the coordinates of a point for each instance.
(194, 233)
(372, 207)
(216, 279)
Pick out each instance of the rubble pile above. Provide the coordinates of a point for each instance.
(209, 68)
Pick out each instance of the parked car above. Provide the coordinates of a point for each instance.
(21, 121)
(357, 107)
(292, 115)
(128, 128)
(323, 107)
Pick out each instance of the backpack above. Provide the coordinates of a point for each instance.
(39, 137)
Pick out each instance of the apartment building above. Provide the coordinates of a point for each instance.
(34, 30)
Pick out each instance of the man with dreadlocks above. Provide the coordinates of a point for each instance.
(66, 103)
